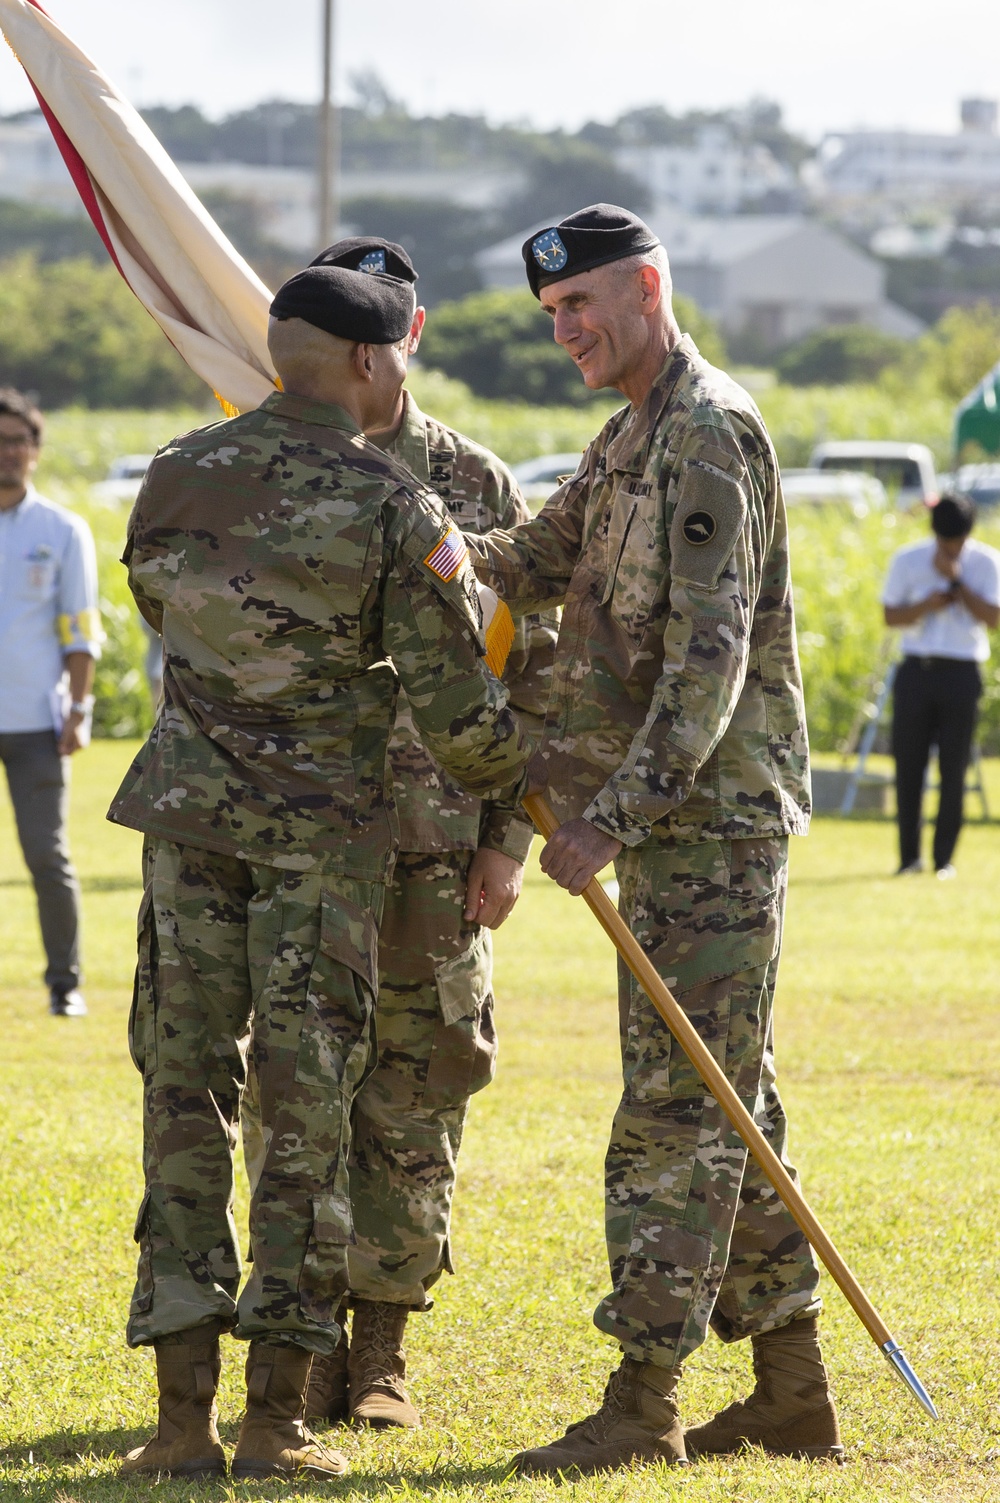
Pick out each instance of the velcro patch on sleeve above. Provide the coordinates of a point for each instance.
(448, 555)
(708, 519)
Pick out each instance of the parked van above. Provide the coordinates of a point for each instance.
(906, 470)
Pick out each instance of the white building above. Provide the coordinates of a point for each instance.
(31, 168)
(286, 197)
(32, 171)
(769, 278)
(717, 175)
(908, 167)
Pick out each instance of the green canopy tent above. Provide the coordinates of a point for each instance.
(977, 418)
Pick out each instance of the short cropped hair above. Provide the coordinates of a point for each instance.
(657, 257)
(954, 516)
(16, 405)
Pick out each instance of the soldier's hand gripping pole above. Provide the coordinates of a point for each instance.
(697, 1052)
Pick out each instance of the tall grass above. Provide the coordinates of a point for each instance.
(839, 563)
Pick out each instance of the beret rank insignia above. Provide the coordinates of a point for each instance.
(549, 251)
(373, 263)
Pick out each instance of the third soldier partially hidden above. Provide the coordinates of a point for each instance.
(457, 875)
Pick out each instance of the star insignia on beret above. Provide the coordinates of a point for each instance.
(549, 251)
(373, 263)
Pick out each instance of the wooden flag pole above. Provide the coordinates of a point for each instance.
(715, 1079)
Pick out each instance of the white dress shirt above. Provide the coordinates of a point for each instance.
(48, 606)
(953, 631)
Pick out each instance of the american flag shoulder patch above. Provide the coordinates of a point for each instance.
(448, 555)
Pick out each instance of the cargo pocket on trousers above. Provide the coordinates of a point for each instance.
(664, 1276)
(336, 1025)
(142, 1297)
(464, 1052)
(142, 1014)
(323, 1280)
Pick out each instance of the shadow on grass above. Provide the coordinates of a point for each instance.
(53, 1469)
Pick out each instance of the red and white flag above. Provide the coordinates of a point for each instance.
(210, 304)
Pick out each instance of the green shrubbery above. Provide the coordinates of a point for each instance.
(73, 332)
(830, 357)
(839, 562)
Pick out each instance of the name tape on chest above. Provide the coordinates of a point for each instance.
(448, 555)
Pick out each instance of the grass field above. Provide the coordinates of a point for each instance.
(888, 1034)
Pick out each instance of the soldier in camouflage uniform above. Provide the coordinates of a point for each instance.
(285, 560)
(457, 874)
(675, 744)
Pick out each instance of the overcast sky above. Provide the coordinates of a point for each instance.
(831, 65)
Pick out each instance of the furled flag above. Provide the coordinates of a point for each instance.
(206, 299)
(210, 304)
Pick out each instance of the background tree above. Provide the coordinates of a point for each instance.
(831, 357)
(73, 332)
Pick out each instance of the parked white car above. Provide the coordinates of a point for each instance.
(906, 470)
(538, 478)
(980, 482)
(124, 478)
(858, 492)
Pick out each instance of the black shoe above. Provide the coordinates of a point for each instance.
(67, 1004)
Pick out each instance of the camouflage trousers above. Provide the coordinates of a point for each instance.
(696, 1236)
(436, 1046)
(240, 961)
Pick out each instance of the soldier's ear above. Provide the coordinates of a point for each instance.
(363, 361)
(416, 329)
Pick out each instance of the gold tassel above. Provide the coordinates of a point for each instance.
(232, 411)
(499, 639)
(227, 407)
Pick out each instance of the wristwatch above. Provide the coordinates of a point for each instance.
(82, 706)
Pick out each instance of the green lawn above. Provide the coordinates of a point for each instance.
(888, 1032)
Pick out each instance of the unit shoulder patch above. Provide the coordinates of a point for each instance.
(709, 517)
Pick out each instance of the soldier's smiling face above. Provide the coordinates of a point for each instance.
(601, 319)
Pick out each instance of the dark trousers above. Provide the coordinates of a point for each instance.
(37, 779)
(935, 702)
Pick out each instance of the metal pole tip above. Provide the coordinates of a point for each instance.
(899, 1364)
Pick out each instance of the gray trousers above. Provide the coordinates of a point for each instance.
(38, 781)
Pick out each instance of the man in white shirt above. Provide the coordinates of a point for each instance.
(49, 640)
(946, 593)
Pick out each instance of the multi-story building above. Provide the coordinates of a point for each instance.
(715, 175)
(901, 169)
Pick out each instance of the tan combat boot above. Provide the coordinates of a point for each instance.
(377, 1366)
(273, 1441)
(637, 1421)
(326, 1396)
(186, 1443)
(789, 1413)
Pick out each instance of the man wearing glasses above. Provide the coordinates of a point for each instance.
(49, 641)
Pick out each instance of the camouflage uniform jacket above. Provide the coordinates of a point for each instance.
(286, 560)
(676, 709)
(479, 493)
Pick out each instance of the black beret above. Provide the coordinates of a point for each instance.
(351, 304)
(590, 237)
(371, 254)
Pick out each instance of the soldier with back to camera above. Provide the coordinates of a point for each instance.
(298, 576)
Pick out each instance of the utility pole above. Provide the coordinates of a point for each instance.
(329, 142)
